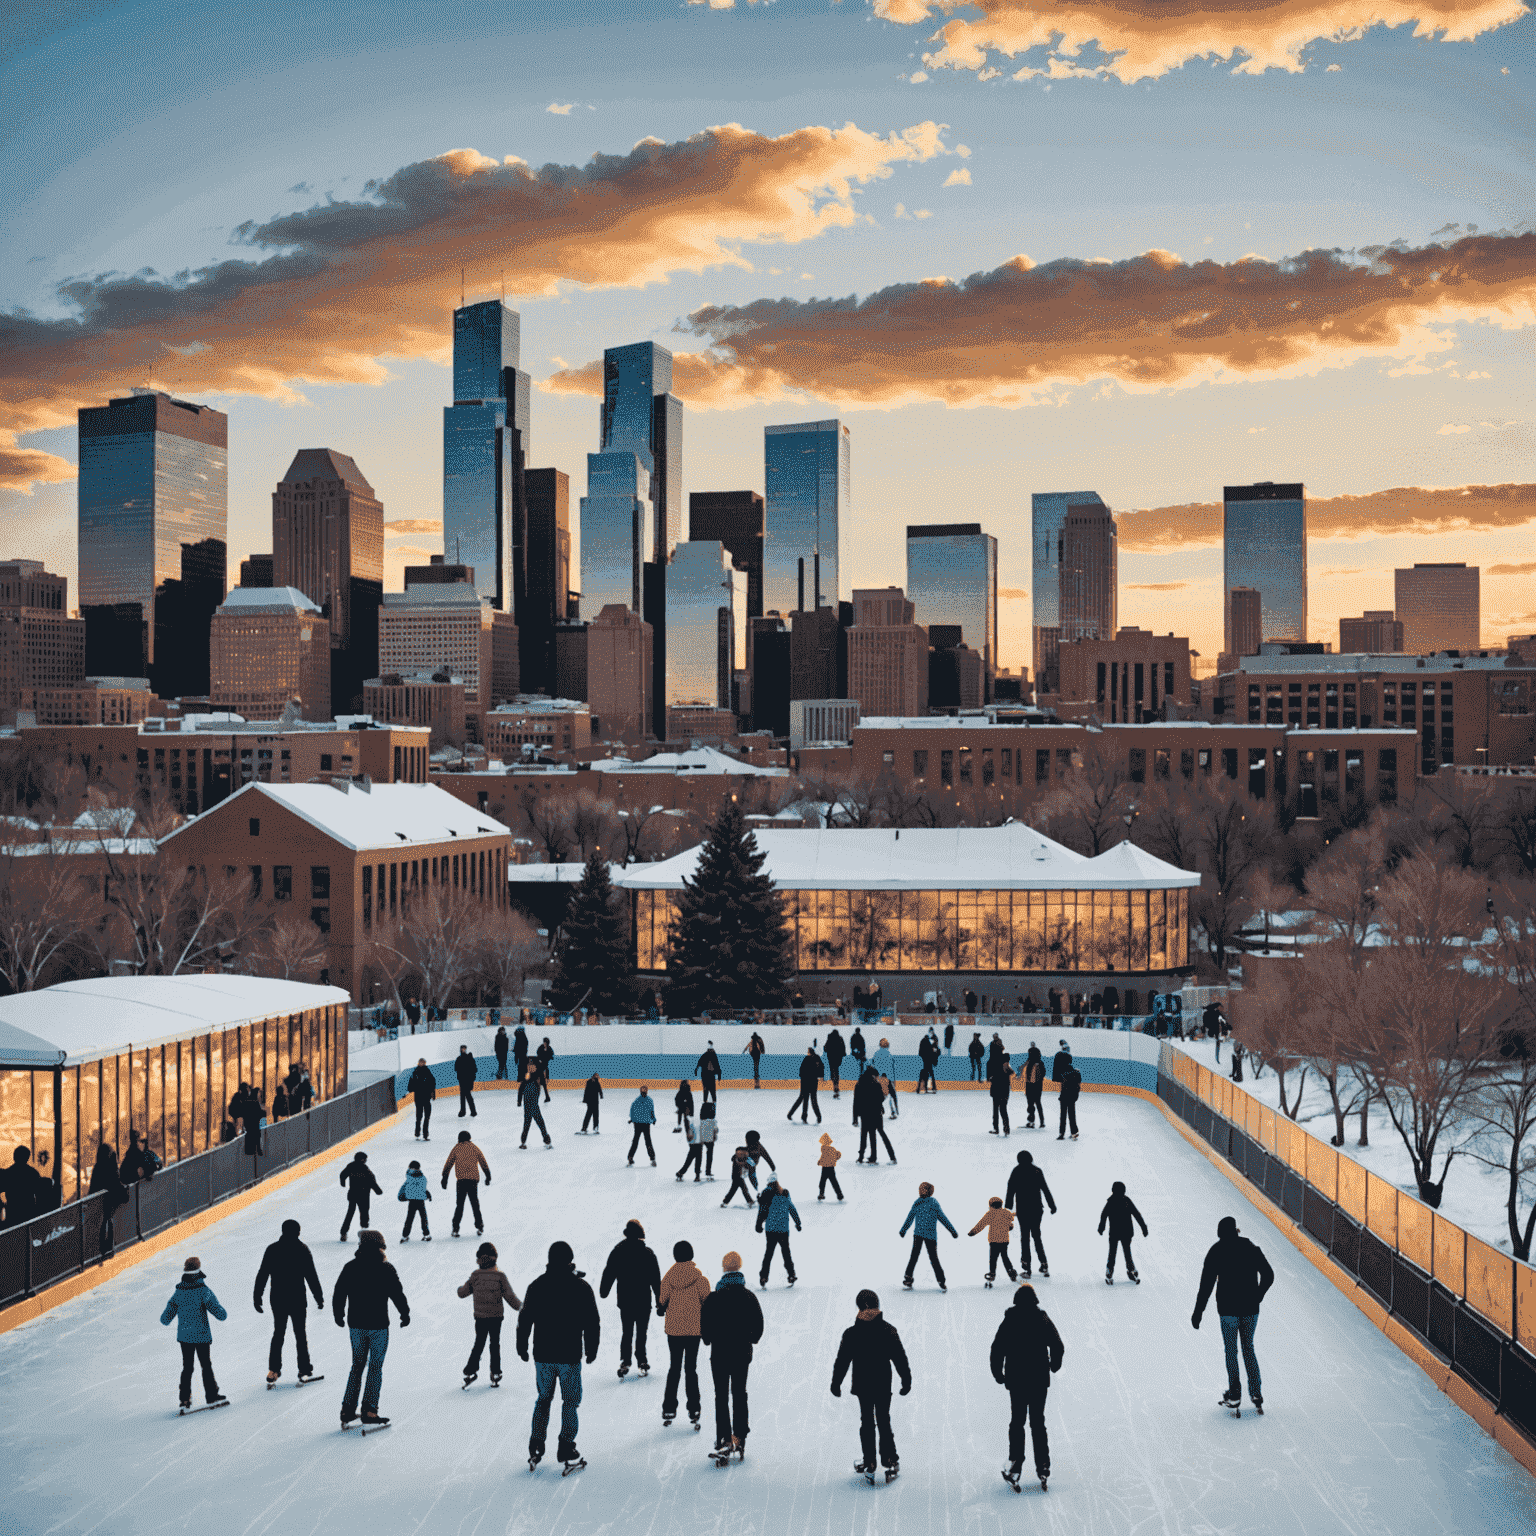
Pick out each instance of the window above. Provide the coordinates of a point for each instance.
(920, 765)
(321, 918)
(282, 882)
(1042, 765)
(1187, 763)
(946, 766)
(887, 757)
(394, 881)
(1256, 759)
(1167, 679)
(986, 765)
(255, 882)
(320, 882)
(367, 895)
(1100, 694)
(255, 826)
(1229, 761)
(325, 762)
(1162, 764)
(965, 765)
(1008, 763)
(1138, 765)
(1204, 757)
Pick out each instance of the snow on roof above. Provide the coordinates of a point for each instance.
(260, 599)
(697, 760)
(1010, 857)
(386, 816)
(551, 874)
(84, 1020)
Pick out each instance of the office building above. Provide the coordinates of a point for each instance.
(768, 672)
(617, 529)
(184, 609)
(1089, 578)
(154, 476)
(544, 724)
(450, 628)
(641, 415)
(1048, 516)
(952, 581)
(818, 652)
(270, 647)
(547, 595)
(735, 518)
(1264, 546)
(1377, 633)
(807, 471)
(438, 573)
(887, 655)
(815, 721)
(619, 669)
(956, 674)
(431, 699)
(1126, 680)
(571, 660)
(41, 647)
(485, 450)
(706, 608)
(1439, 607)
(256, 571)
(1245, 620)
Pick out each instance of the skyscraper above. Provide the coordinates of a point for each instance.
(808, 480)
(485, 449)
(549, 576)
(1089, 578)
(1264, 545)
(616, 531)
(952, 580)
(1440, 607)
(1048, 514)
(641, 415)
(616, 674)
(735, 518)
(154, 476)
(706, 600)
(887, 655)
(1245, 620)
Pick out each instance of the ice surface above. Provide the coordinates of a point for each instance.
(1355, 1438)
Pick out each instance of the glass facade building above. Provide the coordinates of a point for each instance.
(952, 579)
(735, 518)
(807, 474)
(1264, 545)
(154, 480)
(617, 528)
(641, 415)
(706, 624)
(1048, 517)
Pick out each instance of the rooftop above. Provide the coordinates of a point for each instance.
(1372, 663)
(697, 760)
(326, 464)
(267, 600)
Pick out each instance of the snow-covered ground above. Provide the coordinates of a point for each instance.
(1475, 1194)
(1355, 1439)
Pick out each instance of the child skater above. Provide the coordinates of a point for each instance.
(998, 1223)
(758, 1153)
(709, 1130)
(682, 1102)
(188, 1308)
(415, 1192)
(741, 1172)
(827, 1162)
(1119, 1212)
(491, 1289)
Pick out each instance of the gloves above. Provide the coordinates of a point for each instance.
(445, 1181)
(522, 1354)
(1194, 1321)
(998, 1379)
(258, 1306)
(837, 1391)
(405, 1322)
(906, 1387)
(487, 1181)
(591, 1359)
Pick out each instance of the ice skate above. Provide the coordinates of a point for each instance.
(535, 1457)
(305, 1380)
(495, 1378)
(426, 1237)
(623, 1372)
(1011, 1475)
(667, 1418)
(866, 1471)
(1045, 1272)
(571, 1463)
(372, 1423)
(1109, 1277)
(1258, 1406)
(891, 1472)
(271, 1380)
(469, 1378)
(644, 1370)
(1135, 1278)
(1233, 1403)
(1045, 1478)
(987, 1281)
(693, 1423)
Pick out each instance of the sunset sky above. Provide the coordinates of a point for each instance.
(1134, 246)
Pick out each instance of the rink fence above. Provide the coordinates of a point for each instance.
(66, 1241)
(1473, 1306)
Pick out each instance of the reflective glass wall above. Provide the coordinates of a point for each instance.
(952, 579)
(616, 531)
(808, 484)
(706, 608)
(1048, 516)
(640, 415)
(1264, 545)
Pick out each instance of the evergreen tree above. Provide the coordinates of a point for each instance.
(594, 955)
(729, 944)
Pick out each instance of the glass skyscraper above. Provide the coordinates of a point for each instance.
(808, 484)
(706, 624)
(641, 415)
(485, 450)
(154, 481)
(952, 579)
(617, 529)
(1264, 545)
(1048, 515)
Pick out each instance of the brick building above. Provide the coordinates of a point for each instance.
(1375, 632)
(1128, 679)
(551, 725)
(432, 699)
(269, 647)
(619, 671)
(887, 655)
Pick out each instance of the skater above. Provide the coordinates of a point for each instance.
(741, 1173)
(560, 1314)
(493, 1293)
(1071, 1081)
(810, 1074)
(642, 1116)
(885, 1068)
(1061, 1060)
(927, 1056)
(869, 1116)
(360, 1302)
(835, 1051)
(755, 1049)
(683, 1289)
(695, 1156)
(500, 1046)
(422, 1086)
(519, 1051)
(999, 1086)
(1241, 1276)
(774, 1215)
(465, 1069)
(290, 1267)
(361, 1186)
(1119, 1212)
(1026, 1190)
(1032, 1074)
(827, 1162)
(707, 1070)
(997, 1223)
(758, 1153)
(1026, 1352)
(949, 1038)
(856, 1048)
(466, 1160)
(682, 1102)
(415, 1194)
(528, 1097)
(730, 1323)
(633, 1268)
(189, 1306)
(872, 1347)
(975, 1050)
(545, 1056)
(708, 1131)
(592, 1097)
(924, 1218)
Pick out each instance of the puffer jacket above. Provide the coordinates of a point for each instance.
(927, 1213)
(777, 1214)
(998, 1221)
(829, 1157)
(189, 1306)
(466, 1160)
(415, 1187)
(490, 1288)
(643, 1110)
(683, 1289)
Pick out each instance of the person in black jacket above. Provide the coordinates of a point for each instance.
(810, 1074)
(361, 1186)
(1118, 1214)
(423, 1088)
(545, 1055)
(1060, 1061)
(1071, 1086)
(730, 1323)
(856, 1046)
(500, 1046)
(528, 1098)
(975, 1051)
(1241, 1276)
(108, 1182)
(1000, 1085)
(707, 1070)
(682, 1102)
(928, 1057)
(591, 1096)
(1027, 1190)
(836, 1051)
(290, 1266)
(138, 1161)
(871, 1347)
(560, 1314)
(869, 1116)
(1026, 1352)
(464, 1069)
(519, 1050)
(633, 1268)
(360, 1302)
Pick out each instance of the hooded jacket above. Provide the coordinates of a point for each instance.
(633, 1268)
(871, 1347)
(290, 1266)
(868, 1101)
(592, 1092)
(1240, 1274)
(776, 1214)
(998, 1222)
(829, 1156)
(189, 1306)
(1059, 1063)
(683, 1289)
(1071, 1081)
(811, 1070)
(560, 1312)
(1026, 1349)
(836, 1050)
(422, 1084)
(731, 1320)
(465, 1069)
(1033, 1071)
(883, 1062)
(415, 1186)
(1027, 1187)
(708, 1065)
(364, 1289)
(643, 1110)
(927, 1213)
(491, 1289)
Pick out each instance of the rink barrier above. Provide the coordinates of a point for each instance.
(67, 1242)
(1470, 1306)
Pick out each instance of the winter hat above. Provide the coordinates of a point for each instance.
(486, 1252)
(682, 1251)
(632, 1228)
(866, 1300)
(751, 1137)
(1025, 1295)
(561, 1253)
(371, 1239)
(1026, 1158)
(996, 1202)
(731, 1263)
(1117, 1188)
(826, 1138)
(193, 1263)
(1226, 1227)
(463, 1136)
(925, 1189)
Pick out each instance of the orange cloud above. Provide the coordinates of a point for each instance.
(1156, 586)
(22, 468)
(1524, 568)
(413, 525)
(348, 284)
(1003, 337)
(1405, 510)
(1143, 39)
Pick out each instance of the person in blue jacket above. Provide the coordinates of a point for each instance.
(775, 1212)
(924, 1219)
(415, 1194)
(642, 1115)
(885, 1066)
(189, 1306)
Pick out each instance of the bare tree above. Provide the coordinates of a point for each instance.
(1515, 829)
(288, 946)
(550, 823)
(1085, 811)
(1231, 838)
(434, 942)
(506, 947)
(1266, 1023)
(1459, 812)
(43, 905)
(592, 826)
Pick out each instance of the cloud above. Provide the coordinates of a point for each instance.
(1404, 510)
(1526, 568)
(22, 468)
(411, 554)
(1145, 39)
(917, 214)
(1012, 594)
(1005, 336)
(560, 109)
(1334, 69)
(918, 77)
(301, 187)
(1156, 586)
(413, 525)
(1450, 429)
(959, 177)
(340, 286)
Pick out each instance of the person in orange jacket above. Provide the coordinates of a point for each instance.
(683, 1289)
(827, 1162)
(466, 1160)
(997, 1221)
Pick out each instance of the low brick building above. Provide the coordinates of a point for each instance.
(1129, 679)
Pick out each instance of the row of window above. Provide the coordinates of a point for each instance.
(387, 888)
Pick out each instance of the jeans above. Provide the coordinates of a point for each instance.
(533, 1115)
(1234, 1329)
(1033, 1106)
(467, 1099)
(357, 1205)
(467, 1189)
(633, 1330)
(369, 1346)
(641, 1129)
(280, 1319)
(829, 1176)
(1068, 1113)
(485, 1328)
(1028, 1406)
(423, 1116)
(875, 1417)
(932, 1245)
(779, 1240)
(1029, 1228)
(569, 1378)
(835, 1072)
(413, 1209)
(730, 1398)
(805, 1103)
(975, 1069)
(684, 1352)
(202, 1354)
(707, 1094)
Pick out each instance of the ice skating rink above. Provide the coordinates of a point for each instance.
(1355, 1439)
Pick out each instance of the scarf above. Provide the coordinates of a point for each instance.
(734, 1278)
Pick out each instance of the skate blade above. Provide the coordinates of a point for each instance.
(181, 1413)
(572, 1466)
